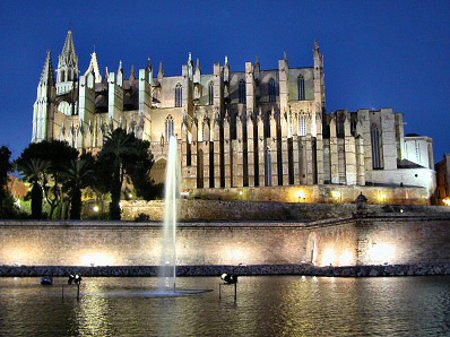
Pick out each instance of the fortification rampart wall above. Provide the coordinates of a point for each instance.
(340, 242)
(80, 244)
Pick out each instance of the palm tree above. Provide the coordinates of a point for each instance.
(79, 174)
(117, 147)
(34, 171)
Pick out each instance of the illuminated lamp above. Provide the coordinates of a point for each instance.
(76, 279)
(229, 278)
(446, 201)
(301, 195)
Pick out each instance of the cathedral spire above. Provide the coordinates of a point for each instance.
(316, 46)
(47, 77)
(68, 61)
(69, 46)
(93, 67)
(160, 71)
(132, 77)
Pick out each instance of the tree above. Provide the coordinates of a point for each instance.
(79, 174)
(123, 154)
(6, 200)
(56, 155)
(34, 171)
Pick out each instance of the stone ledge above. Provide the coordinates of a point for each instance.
(215, 270)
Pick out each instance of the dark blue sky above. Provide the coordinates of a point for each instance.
(377, 53)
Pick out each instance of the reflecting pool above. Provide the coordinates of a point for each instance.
(266, 306)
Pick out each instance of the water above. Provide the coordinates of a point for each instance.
(168, 254)
(266, 306)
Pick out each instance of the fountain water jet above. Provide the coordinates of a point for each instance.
(168, 268)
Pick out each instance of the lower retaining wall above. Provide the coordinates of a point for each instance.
(381, 240)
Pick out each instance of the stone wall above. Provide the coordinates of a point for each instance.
(117, 244)
(396, 239)
(330, 194)
(404, 240)
(219, 210)
(237, 210)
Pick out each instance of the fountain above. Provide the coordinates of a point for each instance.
(168, 275)
(167, 270)
(168, 266)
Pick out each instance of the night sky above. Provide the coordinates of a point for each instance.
(377, 53)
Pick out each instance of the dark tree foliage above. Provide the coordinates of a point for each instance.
(6, 200)
(78, 175)
(43, 165)
(123, 155)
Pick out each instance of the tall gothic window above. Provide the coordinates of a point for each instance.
(272, 91)
(169, 127)
(301, 87)
(377, 159)
(242, 92)
(211, 93)
(302, 125)
(268, 167)
(178, 95)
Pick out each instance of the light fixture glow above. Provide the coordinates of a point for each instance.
(382, 253)
(329, 257)
(96, 259)
(346, 258)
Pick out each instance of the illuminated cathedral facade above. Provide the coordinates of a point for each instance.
(250, 128)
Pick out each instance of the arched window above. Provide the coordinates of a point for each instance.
(302, 125)
(169, 127)
(62, 74)
(272, 91)
(377, 160)
(301, 87)
(178, 95)
(211, 93)
(242, 92)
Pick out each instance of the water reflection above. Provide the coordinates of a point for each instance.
(266, 306)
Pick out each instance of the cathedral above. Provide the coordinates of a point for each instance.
(250, 128)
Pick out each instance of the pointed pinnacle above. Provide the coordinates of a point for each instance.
(149, 64)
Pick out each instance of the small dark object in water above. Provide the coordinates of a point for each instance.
(47, 281)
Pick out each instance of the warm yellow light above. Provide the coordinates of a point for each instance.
(329, 257)
(446, 201)
(382, 253)
(381, 197)
(336, 194)
(97, 259)
(95, 208)
(301, 195)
